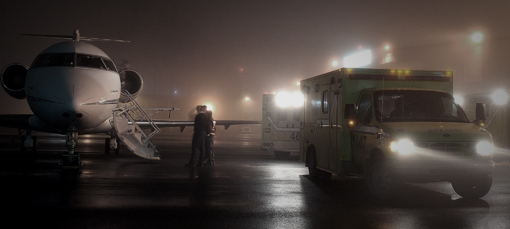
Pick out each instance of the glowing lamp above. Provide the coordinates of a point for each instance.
(484, 148)
(358, 59)
(402, 147)
(500, 97)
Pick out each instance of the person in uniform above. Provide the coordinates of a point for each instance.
(209, 140)
(198, 143)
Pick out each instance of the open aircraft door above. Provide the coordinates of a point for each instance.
(131, 135)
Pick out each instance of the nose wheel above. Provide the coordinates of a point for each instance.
(111, 143)
(71, 159)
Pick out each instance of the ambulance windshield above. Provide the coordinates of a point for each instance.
(417, 106)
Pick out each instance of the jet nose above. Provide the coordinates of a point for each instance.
(74, 111)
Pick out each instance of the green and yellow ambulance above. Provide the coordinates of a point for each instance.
(394, 126)
(281, 123)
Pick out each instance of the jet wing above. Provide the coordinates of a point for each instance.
(20, 121)
(25, 122)
(184, 124)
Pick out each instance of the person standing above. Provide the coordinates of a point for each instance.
(209, 140)
(198, 143)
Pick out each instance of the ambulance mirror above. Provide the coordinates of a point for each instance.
(481, 112)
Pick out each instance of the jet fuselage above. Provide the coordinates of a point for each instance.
(73, 86)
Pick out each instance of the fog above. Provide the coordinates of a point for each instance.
(220, 52)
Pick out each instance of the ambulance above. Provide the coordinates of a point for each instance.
(281, 123)
(394, 126)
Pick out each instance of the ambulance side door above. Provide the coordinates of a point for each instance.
(360, 134)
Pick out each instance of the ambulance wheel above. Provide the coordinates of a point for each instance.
(473, 188)
(380, 179)
(281, 154)
(311, 162)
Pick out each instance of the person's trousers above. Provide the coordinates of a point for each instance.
(197, 147)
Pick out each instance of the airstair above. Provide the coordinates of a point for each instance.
(130, 134)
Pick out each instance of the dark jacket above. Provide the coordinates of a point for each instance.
(201, 122)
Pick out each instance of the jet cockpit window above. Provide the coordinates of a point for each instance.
(53, 59)
(89, 61)
(68, 60)
(109, 64)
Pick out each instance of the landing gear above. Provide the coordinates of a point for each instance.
(28, 141)
(111, 143)
(71, 159)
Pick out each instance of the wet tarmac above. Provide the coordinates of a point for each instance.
(247, 188)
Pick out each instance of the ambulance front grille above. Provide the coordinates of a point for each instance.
(448, 147)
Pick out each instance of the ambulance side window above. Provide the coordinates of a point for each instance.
(325, 99)
(281, 114)
(296, 114)
(365, 109)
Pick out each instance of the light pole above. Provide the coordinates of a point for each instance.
(246, 99)
(473, 69)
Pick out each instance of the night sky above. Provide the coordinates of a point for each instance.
(220, 52)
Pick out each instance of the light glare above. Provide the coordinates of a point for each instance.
(358, 59)
(484, 148)
(209, 107)
(403, 147)
(477, 37)
(500, 97)
(458, 99)
(285, 99)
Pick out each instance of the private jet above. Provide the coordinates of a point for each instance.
(74, 88)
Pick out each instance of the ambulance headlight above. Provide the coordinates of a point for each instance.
(402, 147)
(484, 148)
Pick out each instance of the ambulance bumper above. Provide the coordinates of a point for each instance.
(427, 171)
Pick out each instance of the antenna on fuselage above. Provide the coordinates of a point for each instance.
(75, 37)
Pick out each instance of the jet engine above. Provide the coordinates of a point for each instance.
(132, 82)
(13, 80)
